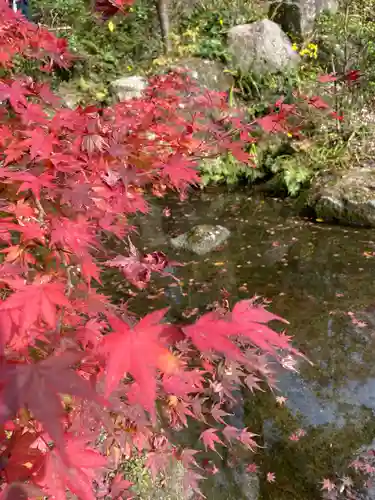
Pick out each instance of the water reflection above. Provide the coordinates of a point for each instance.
(320, 278)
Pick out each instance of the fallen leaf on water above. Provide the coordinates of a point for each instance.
(319, 220)
(219, 263)
(252, 468)
(296, 436)
(281, 400)
(271, 477)
(368, 254)
(328, 485)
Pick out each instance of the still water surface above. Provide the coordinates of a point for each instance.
(321, 278)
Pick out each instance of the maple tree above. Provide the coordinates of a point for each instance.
(74, 366)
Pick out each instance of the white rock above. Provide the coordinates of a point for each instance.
(129, 87)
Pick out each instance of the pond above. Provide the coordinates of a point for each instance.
(321, 278)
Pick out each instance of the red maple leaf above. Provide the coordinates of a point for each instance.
(247, 440)
(133, 269)
(180, 171)
(328, 485)
(75, 470)
(90, 335)
(37, 387)
(352, 75)
(328, 78)
(119, 485)
(273, 123)
(74, 235)
(139, 351)
(210, 333)
(209, 439)
(35, 302)
(231, 433)
(318, 103)
(28, 180)
(23, 458)
(249, 320)
(217, 413)
(41, 144)
(16, 93)
(136, 268)
(271, 477)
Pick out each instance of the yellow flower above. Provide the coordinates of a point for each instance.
(221, 22)
(313, 49)
(295, 47)
(129, 68)
(289, 134)
(111, 26)
(310, 51)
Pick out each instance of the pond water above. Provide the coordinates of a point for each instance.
(321, 278)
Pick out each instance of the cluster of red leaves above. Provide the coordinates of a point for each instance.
(20, 38)
(72, 364)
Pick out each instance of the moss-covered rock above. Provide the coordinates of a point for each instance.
(201, 239)
(348, 198)
(170, 485)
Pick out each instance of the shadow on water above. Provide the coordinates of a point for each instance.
(319, 277)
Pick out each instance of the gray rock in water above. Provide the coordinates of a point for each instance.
(261, 47)
(297, 17)
(201, 239)
(348, 199)
(128, 87)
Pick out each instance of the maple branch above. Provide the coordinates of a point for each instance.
(42, 213)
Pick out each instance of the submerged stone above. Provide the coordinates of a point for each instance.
(201, 239)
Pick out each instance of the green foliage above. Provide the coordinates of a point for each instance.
(130, 43)
(294, 169)
(227, 170)
(347, 42)
(103, 48)
(210, 21)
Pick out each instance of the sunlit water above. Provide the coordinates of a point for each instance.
(321, 278)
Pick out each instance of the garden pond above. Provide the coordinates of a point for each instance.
(320, 278)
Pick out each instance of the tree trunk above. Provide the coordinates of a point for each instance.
(163, 15)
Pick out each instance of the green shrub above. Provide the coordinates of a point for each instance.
(104, 48)
(227, 170)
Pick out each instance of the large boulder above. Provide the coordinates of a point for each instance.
(128, 87)
(261, 47)
(201, 239)
(297, 17)
(348, 198)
